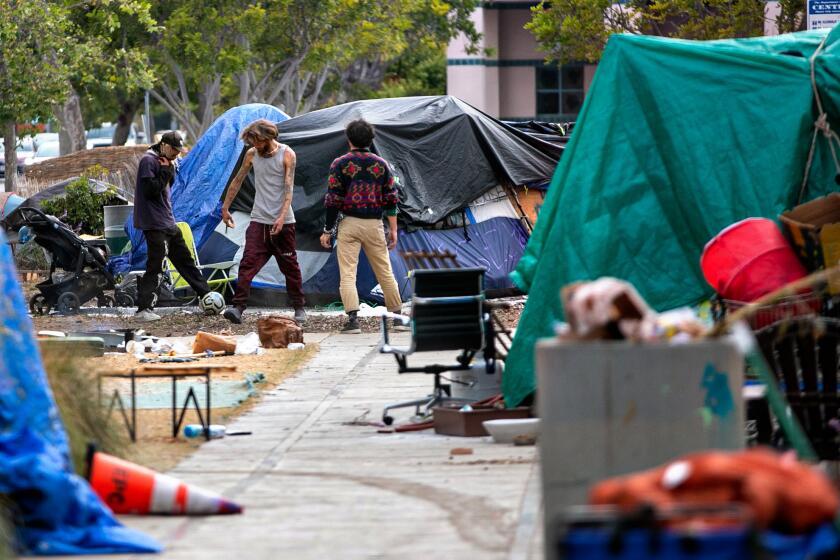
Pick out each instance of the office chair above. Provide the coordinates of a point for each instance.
(448, 312)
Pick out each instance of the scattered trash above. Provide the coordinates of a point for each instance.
(207, 341)
(248, 344)
(296, 346)
(252, 379)
(162, 346)
(366, 310)
(466, 408)
(58, 334)
(129, 488)
(276, 331)
(461, 451)
(525, 439)
(611, 309)
(168, 360)
(136, 348)
(506, 430)
(217, 431)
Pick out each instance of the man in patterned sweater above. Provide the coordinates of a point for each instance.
(361, 186)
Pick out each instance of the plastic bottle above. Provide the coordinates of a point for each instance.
(195, 430)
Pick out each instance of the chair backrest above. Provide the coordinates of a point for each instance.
(178, 280)
(424, 260)
(447, 309)
(803, 355)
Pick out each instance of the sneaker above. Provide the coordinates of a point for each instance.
(300, 315)
(146, 315)
(233, 314)
(397, 326)
(351, 327)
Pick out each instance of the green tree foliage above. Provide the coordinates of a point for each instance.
(35, 62)
(577, 30)
(34, 58)
(111, 80)
(81, 206)
(296, 54)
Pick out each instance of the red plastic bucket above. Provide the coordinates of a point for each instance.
(749, 259)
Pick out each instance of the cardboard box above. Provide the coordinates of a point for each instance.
(814, 231)
(452, 422)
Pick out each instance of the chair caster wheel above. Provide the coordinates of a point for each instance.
(388, 420)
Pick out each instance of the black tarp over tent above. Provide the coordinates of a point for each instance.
(445, 152)
(451, 160)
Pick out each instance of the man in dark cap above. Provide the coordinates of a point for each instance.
(153, 215)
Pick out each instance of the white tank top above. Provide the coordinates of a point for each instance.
(270, 188)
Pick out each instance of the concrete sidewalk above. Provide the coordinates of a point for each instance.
(315, 485)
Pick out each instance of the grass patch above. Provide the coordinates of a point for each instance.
(76, 393)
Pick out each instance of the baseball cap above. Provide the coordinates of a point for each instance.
(173, 139)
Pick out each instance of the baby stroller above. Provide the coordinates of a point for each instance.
(85, 274)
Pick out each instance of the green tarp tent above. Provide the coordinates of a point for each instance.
(676, 140)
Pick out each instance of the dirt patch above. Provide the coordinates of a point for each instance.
(186, 321)
(155, 446)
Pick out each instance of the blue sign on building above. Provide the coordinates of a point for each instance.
(823, 13)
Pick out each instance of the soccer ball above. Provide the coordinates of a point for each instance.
(211, 303)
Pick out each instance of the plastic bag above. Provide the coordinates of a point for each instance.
(248, 344)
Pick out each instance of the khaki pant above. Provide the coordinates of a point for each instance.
(355, 234)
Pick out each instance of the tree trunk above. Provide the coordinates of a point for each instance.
(9, 141)
(71, 137)
(128, 108)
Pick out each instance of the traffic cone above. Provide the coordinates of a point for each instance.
(130, 488)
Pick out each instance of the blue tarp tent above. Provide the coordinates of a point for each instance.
(56, 511)
(203, 174)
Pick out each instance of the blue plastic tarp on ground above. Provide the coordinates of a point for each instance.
(56, 511)
(203, 174)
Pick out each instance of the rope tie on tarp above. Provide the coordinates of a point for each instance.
(821, 125)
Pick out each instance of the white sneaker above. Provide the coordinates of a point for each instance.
(146, 316)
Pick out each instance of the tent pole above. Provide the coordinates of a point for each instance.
(523, 217)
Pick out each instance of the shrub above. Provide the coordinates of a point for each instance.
(81, 207)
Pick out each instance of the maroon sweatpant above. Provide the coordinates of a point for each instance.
(260, 246)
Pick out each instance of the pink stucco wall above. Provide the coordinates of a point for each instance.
(517, 98)
(516, 42)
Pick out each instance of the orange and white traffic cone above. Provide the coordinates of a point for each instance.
(130, 488)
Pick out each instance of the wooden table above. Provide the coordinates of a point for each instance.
(158, 371)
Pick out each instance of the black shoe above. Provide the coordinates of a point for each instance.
(234, 315)
(351, 327)
(300, 315)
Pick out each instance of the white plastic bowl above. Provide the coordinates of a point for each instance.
(504, 431)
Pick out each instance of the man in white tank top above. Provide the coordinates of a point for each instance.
(271, 232)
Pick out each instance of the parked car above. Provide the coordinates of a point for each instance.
(24, 149)
(43, 137)
(104, 136)
(45, 150)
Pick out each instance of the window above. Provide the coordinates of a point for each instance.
(559, 92)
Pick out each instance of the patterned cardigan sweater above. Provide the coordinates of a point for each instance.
(360, 185)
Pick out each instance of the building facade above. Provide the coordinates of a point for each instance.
(513, 82)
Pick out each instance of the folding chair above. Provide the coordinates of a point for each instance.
(447, 313)
(218, 279)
